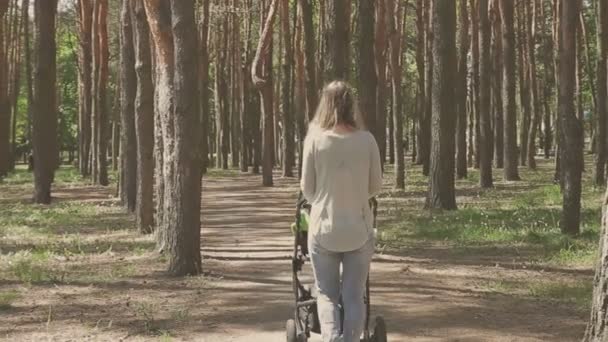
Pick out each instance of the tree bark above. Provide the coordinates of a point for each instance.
(204, 84)
(262, 63)
(144, 119)
(531, 12)
(425, 138)
(336, 41)
(99, 118)
(5, 116)
(485, 104)
(46, 152)
(463, 71)
(571, 128)
(475, 100)
(394, 24)
(497, 103)
(602, 94)
(441, 184)
(85, 22)
(597, 327)
(380, 50)
(288, 143)
(510, 172)
(184, 223)
(306, 10)
(128, 91)
(367, 66)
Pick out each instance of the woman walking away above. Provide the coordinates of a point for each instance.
(341, 172)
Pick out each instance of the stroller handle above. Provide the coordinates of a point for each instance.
(303, 202)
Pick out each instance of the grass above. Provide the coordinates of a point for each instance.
(7, 298)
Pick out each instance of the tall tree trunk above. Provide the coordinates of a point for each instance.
(485, 104)
(46, 152)
(597, 327)
(497, 87)
(475, 100)
(425, 139)
(144, 119)
(441, 185)
(159, 21)
(288, 143)
(306, 10)
(571, 128)
(336, 41)
(531, 12)
(85, 22)
(510, 172)
(380, 51)
(421, 91)
(5, 116)
(128, 90)
(300, 88)
(204, 84)
(99, 118)
(262, 65)
(394, 24)
(368, 82)
(185, 201)
(463, 71)
(602, 94)
(524, 84)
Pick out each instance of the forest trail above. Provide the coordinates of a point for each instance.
(424, 294)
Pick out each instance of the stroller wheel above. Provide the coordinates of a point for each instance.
(379, 330)
(292, 334)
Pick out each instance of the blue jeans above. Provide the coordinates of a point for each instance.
(355, 268)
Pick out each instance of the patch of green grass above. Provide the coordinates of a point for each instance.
(221, 173)
(7, 298)
(30, 267)
(578, 293)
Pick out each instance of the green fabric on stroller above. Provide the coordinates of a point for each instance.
(301, 226)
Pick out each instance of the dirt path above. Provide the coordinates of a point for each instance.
(423, 295)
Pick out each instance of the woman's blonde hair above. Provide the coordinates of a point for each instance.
(338, 106)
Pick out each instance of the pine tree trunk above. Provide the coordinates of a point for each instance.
(85, 11)
(368, 82)
(425, 138)
(380, 50)
(306, 10)
(497, 88)
(204, 84)
(510, 172)
(185, 202)
(288, 143)
(602, 94)
(571, 128)
(463, 71)
(524, 84)
(441, 184)
(394, 25)
(536, 110)
(46, 150)
(336, 40)
(128, 90)
(144, 119)
(485, 104)
(5, 115)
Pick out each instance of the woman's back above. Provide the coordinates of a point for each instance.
(341, 172)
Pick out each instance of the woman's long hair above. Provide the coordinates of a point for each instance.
(338, 106)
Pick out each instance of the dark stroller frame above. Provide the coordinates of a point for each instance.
(306, 319)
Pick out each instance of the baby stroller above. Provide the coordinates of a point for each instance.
(306, 319)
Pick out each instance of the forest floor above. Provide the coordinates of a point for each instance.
(496, 270)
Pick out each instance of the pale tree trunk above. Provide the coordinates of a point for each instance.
(463, 71)
(531, 12)
(497, 87)
(394, 23)
(485, 104)
(144, 119)
(204, 83)
(420, 97)
(524, 84)
(367, 67)
(288, 147)
(475, 100)
(380, 48)
(300, 89)
(602, 94)
(261, 74)
(128, 90)
(441, 183)
(183, 218)
(571, 128)
(159, 20)
(510, 171)
(5, 116)
(46, 152)
(85, 15)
